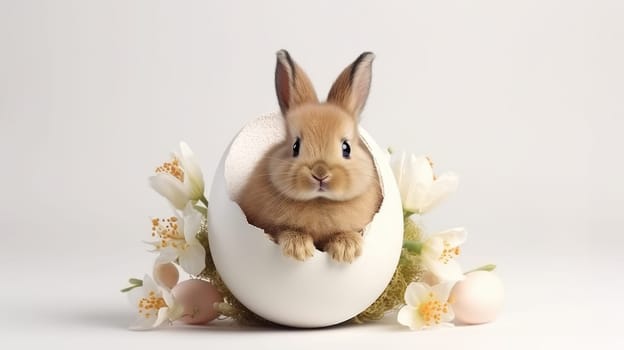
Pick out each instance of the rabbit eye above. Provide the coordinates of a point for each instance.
(346, 149)
(296, 147)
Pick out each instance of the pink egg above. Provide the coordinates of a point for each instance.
(478, 298)
(166, 274)
(198, 298)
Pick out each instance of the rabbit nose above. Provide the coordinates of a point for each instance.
(320, 171)
(320, 179)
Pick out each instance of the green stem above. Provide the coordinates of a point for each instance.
(204, 200)
(488, 267)
(413, 246)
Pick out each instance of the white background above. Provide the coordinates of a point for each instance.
(524, 100)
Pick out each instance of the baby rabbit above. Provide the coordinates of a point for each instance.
(319, 187)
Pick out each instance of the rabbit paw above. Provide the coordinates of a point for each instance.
(296, 245)
(345, 247)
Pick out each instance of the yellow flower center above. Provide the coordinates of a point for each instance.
(167, 231)
(173, 168)
(432, 310)
(448, 253)
(149, 306)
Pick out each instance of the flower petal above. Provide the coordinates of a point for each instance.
(432, 247)
(163, 315)
(167, 296)
(415, 293)
(418, 180)
(400, 170)
(171, 188)
(448, 316)
(449, 271)
(454, 237)
(192, 172)
(193, 259)
(154, 244)
(411, 196)
(167, 254)
(397, 163)
(192, 222)
(441, 188)
(175, 310)
(142, 324)
(422, 172)
(135, 295)
(443, 290)
(409, 183)
(408, 316)
(149, 284)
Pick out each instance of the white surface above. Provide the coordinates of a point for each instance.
(524, 100)
(318, 292)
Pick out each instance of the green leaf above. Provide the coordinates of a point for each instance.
(488, 267)
(135, 281)
(127, 289)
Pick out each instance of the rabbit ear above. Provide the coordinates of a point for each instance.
(292, 85)
(350, 90)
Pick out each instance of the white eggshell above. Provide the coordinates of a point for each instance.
(319, 291)
(478, 298)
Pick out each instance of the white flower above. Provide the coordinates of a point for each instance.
(193, 174)
(154, 305)
(177, 240)
(180, 180)
(427, 307)
(438, 253)
(419, 187)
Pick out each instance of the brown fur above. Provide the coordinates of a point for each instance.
(284, 198)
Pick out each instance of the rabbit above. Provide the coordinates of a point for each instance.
(318, 188)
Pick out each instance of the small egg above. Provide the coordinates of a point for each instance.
(478, 298)
(166, 274)
(198, 298)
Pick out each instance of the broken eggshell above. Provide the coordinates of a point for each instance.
(317, 292)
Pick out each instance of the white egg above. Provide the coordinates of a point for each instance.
(317, 292)
(478, 298)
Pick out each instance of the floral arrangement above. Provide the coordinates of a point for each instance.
(428, 287)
